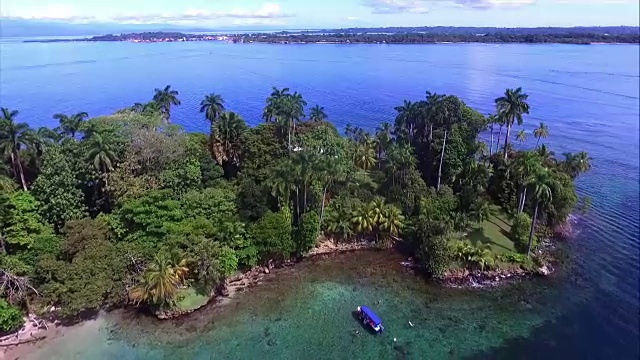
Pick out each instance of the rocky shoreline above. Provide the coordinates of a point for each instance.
(241, 281)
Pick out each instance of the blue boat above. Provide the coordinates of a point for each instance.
(370, 318)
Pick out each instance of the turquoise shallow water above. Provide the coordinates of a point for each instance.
(307, 312)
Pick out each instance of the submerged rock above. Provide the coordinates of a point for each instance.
(544, 270)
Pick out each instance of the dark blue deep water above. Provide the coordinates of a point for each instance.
(588, 96)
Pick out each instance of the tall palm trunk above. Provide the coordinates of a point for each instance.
(523, 201)
(304, 208)
(16, 158)
(506, 140)
(289, 132)
(324, 195)
(499, 136)
(538, 142)
(444, 143)
(491, 146)
(297, 204)
(533, 227)
(3, 250)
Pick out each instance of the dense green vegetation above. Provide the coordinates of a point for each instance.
(129, 208)
(444, 35)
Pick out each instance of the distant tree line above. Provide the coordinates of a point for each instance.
(429, 38)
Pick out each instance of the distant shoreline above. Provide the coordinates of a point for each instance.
(499, 36)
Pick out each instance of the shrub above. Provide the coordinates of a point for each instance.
(10, 318)
(307, 232)
(434, 255)
(272, 235)
(520, 232)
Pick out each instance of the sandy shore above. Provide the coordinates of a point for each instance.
(44, 337)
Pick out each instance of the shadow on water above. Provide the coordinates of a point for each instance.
(581, 334)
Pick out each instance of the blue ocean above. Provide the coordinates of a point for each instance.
(589, 96)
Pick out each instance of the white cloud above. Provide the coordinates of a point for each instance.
(397, 6)
(423, 6)
(191, 16)
(353, 18)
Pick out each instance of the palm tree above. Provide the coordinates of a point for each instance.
(482, 257)
(282, 182)
(542, 132)
(547, 156)
(70, 125)
(541, 182)
(339, 223)
(160, 281)
(383, 139)
(522, 136)
(526, 164)
(392, 221)
(212, 106)
(228, 133)
(446, 126)
(576, 164)
(481, 211)
(12, 137)
(317, 114)
(364, 156)
(41, 138)
(101, 154)
(166, 98)
(363, 219)
(272, 109)
(511, 107)
(329, 172)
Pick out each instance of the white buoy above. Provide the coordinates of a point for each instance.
(394, 339)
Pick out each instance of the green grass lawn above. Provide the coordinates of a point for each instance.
(190, 299)
(494, 231)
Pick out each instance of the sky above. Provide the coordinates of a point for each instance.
(313, 14)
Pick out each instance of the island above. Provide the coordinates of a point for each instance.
(130, 210)
(401, 35)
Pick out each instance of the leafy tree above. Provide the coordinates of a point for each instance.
(70, 125)
(12, 137)
(89, 272)
(22, 224)
(57, 190)
(165, 98)
(511, 107)
(10, 318)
